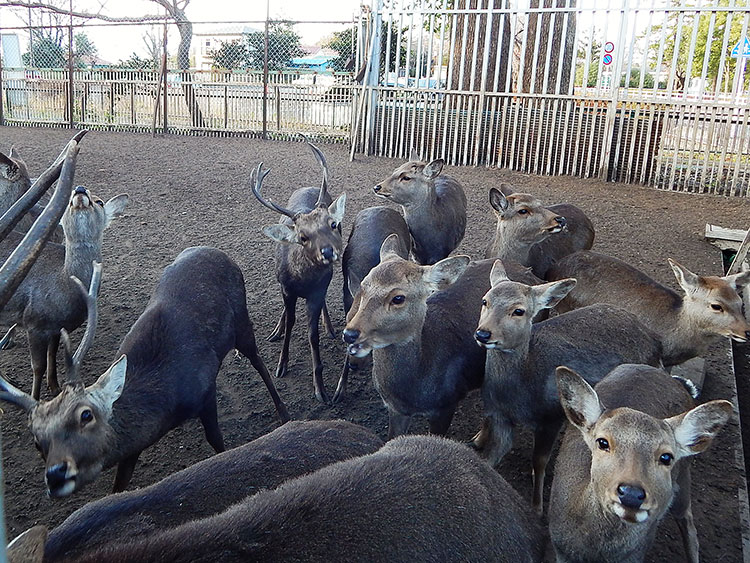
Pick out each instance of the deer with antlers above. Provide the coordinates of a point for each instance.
(309, 242)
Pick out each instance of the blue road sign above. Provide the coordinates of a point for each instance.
(743, 44)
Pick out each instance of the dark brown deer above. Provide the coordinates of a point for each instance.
(687, 325)
(419, 498)
(165, 375)
(210, 486)
(534, 235)
(622, 463)
(519, 381)
(309, 242)
(424, 357)
(48, 300)
(434, 207)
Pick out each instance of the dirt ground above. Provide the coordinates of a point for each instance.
(189, 191)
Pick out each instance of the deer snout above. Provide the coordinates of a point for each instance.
(631, 496)
(59, 480)
(328, 253)
(350, 335)
(80, 190)
(482, 335)
(377, 188)
(561, 221)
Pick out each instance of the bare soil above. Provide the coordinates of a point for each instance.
(189, 191)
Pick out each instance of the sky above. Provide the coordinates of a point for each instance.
(117, 43)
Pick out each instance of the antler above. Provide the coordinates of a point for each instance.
(8, 392)
(322, 161)
(73, 361)
(256, 179)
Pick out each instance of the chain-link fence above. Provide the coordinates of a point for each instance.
(273, 78)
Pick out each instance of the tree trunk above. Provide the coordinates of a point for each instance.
(185, 28)
(475, 34)
(558, 49)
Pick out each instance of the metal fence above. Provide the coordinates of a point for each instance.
(645, 92)
(230, 83)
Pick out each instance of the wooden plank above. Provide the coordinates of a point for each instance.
(714, 232)
(739, 258)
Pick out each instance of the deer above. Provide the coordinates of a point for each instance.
(164, 374)
(687, 324)
(434, 207)
(48, 300)
(210, 486)
(623, 463)
(455, 508)
(424, 358)
(519, 379)
(308, 238)
(534, 235)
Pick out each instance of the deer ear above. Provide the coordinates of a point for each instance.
(337, 208)
(498, 273)
(695, 429)
(414, 156)
(7, 167)
(578, 399)
(737, 281)
(447, 271)
(115, 207)
(29, 546)
(507, 189)
(109, 386)
(688, 280)
(547, 295)
(280, 232)
(14, 153)
(433, 169)
(498, 201)
(391, 248)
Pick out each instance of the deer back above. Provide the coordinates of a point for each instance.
(210, 486)
(405, 502)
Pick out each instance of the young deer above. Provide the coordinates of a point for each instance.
(519, 380)
(418, 498)
(686, 324)
(424, 360)
(309, 242)
(48, 300)
(534, 235)
(210, 486)
(165, 375)
(434, 207)
(619, 468)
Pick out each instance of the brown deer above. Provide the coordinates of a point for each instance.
(210, 486)
(686, 324)
(418, 498)
(620, 466)
(424, 359)
(434, 207)
(519, 380)
(165, 375)
(534, 235)
(48, 300)
(309, 242)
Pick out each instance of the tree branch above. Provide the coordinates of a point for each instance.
(84, 15)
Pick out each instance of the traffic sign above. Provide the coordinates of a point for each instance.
(609, 47)
(744, 45)
(607, 59)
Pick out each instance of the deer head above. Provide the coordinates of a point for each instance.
(412, 183)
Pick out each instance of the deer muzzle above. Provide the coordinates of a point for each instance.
(60, 479)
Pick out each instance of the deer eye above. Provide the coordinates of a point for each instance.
(100, 202)
(717, 307)
(405, 178)
(523, 211)
(398, 299)
(518, 313)
(484, 302)
(334, 224)
(603, 444)
(86, 416)
(666, 459)
(303, 239)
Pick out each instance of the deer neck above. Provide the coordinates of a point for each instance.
(507, 246)
(423, 211)
(79, 256)
(686, 339)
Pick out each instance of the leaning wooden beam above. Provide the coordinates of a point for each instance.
(18, 264)
(741, 255)
(11, 217)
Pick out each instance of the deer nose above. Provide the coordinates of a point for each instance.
(747, 334)
(80, 190)
(350, 335)
(482, 335)
(561, 221)
(327, 252)
(56, 475)
(377, 188)
(631, 496)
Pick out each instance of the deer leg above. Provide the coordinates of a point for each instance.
(439, 424)
(247, 346)
(327, 322)
(341, 387)
(210, 420)
(38, 350)
(544, 441)
(480, 439)
(314, 307)
(278, 331)
(52, 345)
(290, 306)
(500, 440)
(682, 510)
(124, 473)
(398, 423)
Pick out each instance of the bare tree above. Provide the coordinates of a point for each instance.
(153, 43)
(561, 46)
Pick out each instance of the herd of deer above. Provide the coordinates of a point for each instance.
(437, 326)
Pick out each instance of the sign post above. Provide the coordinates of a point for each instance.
(741, 51)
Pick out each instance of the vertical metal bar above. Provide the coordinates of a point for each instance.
(371, 81)
(481, 113)
(71, 91)
(2, 122)
(265, 72)
(165, 82)
(609, 125)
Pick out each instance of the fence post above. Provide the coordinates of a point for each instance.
(373, 76)
(165, 74)
(2, 104)
(71, 92)
(265, 74)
